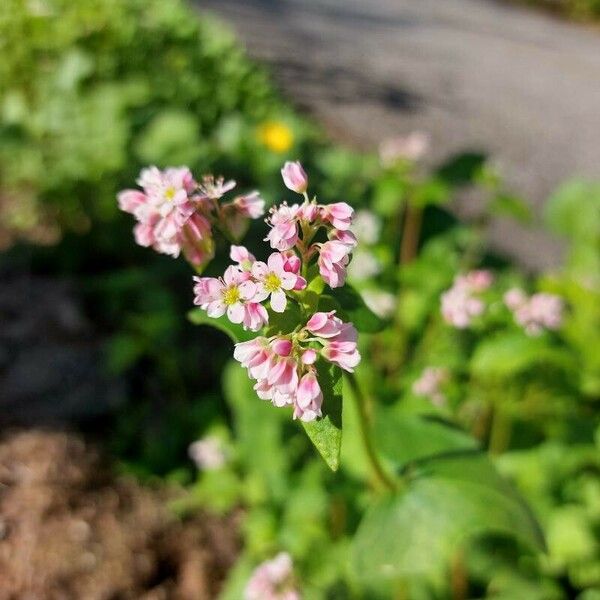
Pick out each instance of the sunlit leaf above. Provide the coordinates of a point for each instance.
(507, 354)
(406, 438)
(326, 433)
(449, 500)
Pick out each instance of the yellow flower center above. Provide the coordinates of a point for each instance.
(170, 193)
(231, 295)
(272, 283)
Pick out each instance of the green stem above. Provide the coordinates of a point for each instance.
(500, 431)
(361, 404)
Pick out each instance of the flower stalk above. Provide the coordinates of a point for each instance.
(383, 478)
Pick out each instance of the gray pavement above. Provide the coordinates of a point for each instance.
(476, 74)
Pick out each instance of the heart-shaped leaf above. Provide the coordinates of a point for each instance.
(326, 433)
(448, 501)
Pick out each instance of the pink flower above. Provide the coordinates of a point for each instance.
(338, 214)
(477, 281)
(540, 311)
(196, 241)
(429, 383)
(459, 304)
(333, 259)
(255, 317)
(459, 307)
(339, 339)
(208, 453)
(272, 580)
(242, 256)
(273, 280)
(215, 188)
(292, 264)
(325, 324)
(411, 147)
(309, 357)
(342, 353)
(282, 346)
(163, 210)
(514, 298)
(294, 177)
(251, 205)
(167, 189)
(346, 237)
(283, 374)
(132, 201)
(144, 235)
(309, 398)
(546, 309)
(228, 295)
(284, 227)
(255, 355)
(309, 211)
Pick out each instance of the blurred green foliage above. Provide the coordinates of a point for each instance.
(92, 90)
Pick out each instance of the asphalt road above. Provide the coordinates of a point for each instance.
(475, 74)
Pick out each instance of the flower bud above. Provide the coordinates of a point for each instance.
(294, 177)
(281, 346)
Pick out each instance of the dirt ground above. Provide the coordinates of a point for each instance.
(69, 529)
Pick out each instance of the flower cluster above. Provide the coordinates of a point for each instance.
(295, 226)
(429, 385)
(535, 313)
(273, 580)
(175, 214)
(284, 366)
(460, 304)
(244, 286)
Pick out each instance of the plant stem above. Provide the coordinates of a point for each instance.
(411, 233)
(500, 431)
(361, 404)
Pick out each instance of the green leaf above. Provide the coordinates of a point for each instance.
(354, 309)
(285, 322)
(407, 438)
(506, 205)
(507, 354)
(236, 332)
(388, 195)
(450, 500)
(573, 211)
(326, 433)
(258, 428)
(434, 192)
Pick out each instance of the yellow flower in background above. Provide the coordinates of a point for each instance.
(275, 135)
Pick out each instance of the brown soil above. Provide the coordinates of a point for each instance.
(70, 530)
